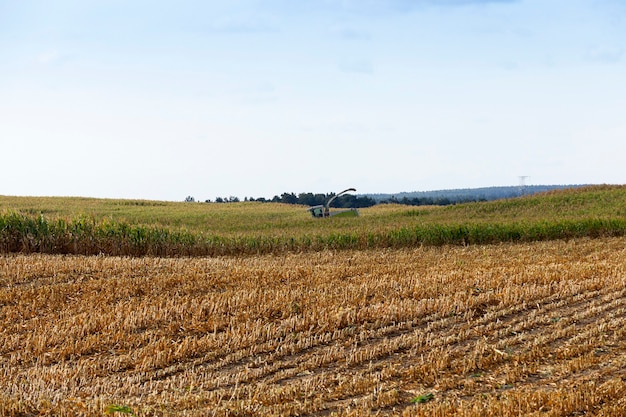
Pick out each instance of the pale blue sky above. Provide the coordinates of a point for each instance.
(165, 99)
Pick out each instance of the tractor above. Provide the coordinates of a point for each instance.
(323, 210)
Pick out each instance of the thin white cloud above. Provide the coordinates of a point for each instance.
(409, 5)
(605, 54)
(350, 33)
(242, 24)
(379, 8)
(463, 2)
(360, 66)
(49, 56)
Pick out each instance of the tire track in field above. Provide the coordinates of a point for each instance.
(589, 327)
(430, 323)
(570, 313)
(404, 339)
(315, 379)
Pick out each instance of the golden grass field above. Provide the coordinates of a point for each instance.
(484, 330)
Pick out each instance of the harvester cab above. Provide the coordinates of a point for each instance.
(324, 210)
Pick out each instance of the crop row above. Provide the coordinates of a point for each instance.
(86, 236)
(474, 331)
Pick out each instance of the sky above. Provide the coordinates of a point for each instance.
(162, 100)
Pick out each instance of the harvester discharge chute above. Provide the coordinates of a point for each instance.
(324, 210)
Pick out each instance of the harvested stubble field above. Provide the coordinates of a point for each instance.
(484, 330)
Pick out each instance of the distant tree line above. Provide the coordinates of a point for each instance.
(344, 201)
(431, 201)
(307, 199)
(465, 195)
(416, 198)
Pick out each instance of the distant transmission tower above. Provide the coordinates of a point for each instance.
(522, 184)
